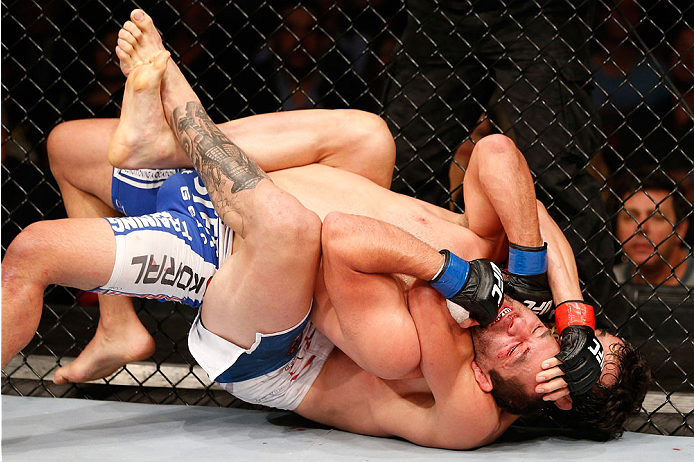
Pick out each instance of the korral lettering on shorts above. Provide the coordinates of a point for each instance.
(167, 273)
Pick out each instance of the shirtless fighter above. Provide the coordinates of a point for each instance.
(249, 297)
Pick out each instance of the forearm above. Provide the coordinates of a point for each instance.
(561, 263)
(370, 246)
(500, 194)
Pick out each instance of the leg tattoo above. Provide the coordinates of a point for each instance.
(222, 165)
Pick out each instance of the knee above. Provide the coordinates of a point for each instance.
(56, 147)
(283, 219)
(373, 131)
(372, 143)
(26, 248)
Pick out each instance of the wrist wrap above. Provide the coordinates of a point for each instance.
(527, 261)
(452, 275)
(574, 313)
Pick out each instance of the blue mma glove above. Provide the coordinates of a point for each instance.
(526, 279)
(477, 286)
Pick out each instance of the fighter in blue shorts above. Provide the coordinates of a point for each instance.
(404, 367)
(167, 248)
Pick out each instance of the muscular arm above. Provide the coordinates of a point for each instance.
(363, 260)
(463, 416)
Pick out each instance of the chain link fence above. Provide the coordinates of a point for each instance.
(597, 94)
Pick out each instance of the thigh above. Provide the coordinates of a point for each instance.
(252, 293)
(72, 252)
(136, 192)
(78, 154)
(164, 256)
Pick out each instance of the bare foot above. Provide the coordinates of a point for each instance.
(142, 138)
(108, 351)
(138, 41)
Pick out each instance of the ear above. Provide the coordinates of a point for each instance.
(482, 378)
(564, 403)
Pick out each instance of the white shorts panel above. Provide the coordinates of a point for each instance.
(283, 388)
(155, 264)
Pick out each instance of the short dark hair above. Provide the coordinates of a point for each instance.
(510, 396)
(627, 183)
(603, 412)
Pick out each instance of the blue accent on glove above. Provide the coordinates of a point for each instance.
(527, 261)
(453, 276)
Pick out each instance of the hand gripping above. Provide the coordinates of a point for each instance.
(477, 286)
(581, 352)
(526, 279)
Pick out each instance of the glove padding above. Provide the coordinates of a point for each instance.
(482, 292)
(531, 290)
(581, 358)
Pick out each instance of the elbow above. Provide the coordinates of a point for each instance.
(335, 231)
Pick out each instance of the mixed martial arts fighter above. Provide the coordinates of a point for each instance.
(275, 237)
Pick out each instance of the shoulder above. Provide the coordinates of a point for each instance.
(477, 422)
(469, 417)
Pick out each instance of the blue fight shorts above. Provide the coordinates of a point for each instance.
(277, 370)
(169, 252)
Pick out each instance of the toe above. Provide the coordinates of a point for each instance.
(142, 19)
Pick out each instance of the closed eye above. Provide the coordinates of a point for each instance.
(515, 347)
(543, 328)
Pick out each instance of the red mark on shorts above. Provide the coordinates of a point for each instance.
(295, 375)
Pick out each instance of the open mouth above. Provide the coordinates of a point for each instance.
(504, 311)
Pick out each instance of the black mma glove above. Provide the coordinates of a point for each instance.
(581, 352)
(526, 279)
(477, 286)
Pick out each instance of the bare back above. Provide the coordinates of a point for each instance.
(324, 189)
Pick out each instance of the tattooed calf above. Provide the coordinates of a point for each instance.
(216, 158)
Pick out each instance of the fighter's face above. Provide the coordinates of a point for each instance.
(515, 345)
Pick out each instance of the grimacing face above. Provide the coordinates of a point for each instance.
(516, 344)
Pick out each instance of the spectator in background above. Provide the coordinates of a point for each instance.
(651, 226)
(653, 282)
(304, 64)
(299, 44)
(453, 56)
